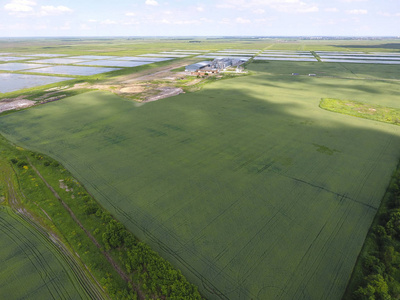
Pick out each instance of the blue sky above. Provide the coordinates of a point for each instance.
(199, 18)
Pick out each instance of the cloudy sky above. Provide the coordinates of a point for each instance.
(199, 18)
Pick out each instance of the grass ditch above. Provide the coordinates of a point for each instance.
(152, 276)
(362, 110)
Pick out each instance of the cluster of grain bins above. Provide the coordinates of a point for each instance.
(214, 66)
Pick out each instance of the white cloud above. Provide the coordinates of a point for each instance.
(225, 5)
(259, 11)
(108, 22)
(386, 14)
(309, 9)
(130, 14)
(51, 10)
(287, 6)
(357, 12)
(350, 1)
(85, 27)
(225, 21)
(151, 2)
(66, 26)
(92, 21)
(242, 20)
(331, 9)
(200, 9)
(23, 8)
(205, 20)
(132, 22)
(16, 6)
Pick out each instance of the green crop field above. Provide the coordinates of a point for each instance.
(247, 186)
(32, 267)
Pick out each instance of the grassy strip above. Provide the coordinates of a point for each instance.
(376, 274)
(362, 110)
(38, 96)
(13, 193)
(155, 277)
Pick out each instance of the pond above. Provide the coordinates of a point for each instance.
(14, 82)
(74, 70)
(115, 63)
(19, 66)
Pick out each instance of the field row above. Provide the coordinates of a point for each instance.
(247, 186)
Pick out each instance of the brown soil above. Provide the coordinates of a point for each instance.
(133, 89)
(145, 86)
(165, 92)
(16, 103)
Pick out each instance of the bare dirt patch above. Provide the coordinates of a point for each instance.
(165, 92)
(135, 89)
(15, 103)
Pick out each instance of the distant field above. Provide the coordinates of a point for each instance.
(247, 186)
(31, 267)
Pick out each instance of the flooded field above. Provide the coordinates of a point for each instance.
(60, 61)
(74, 70)
(164, 55)
(90, 57)
(45, 55)
(285, 58)
(246, 58)
(137, 58)
(287, 55)
(241, 50)
(286, 52)
(360, 61)
(360, 57)
(181, 53)
(19, 66)
(14, 82)
(116, 63)
(12, 58)
(231, 54)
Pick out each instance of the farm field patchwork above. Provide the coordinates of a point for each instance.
(285, 58)
(184, 53)
(45, 55)
(365, 57)
(247, 186)
(137, 58)
(60, 61)
(12, 58)
(19, 66)
(287, 54)
(233, 54)
(74, 70)
(361, 61)
(164, 55)
(241, 50)
(224, 56)
(31, 267)
(115, 63)
(91, 57)
(14, 82)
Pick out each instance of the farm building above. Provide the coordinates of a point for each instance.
(198, 66)
(214, 66)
